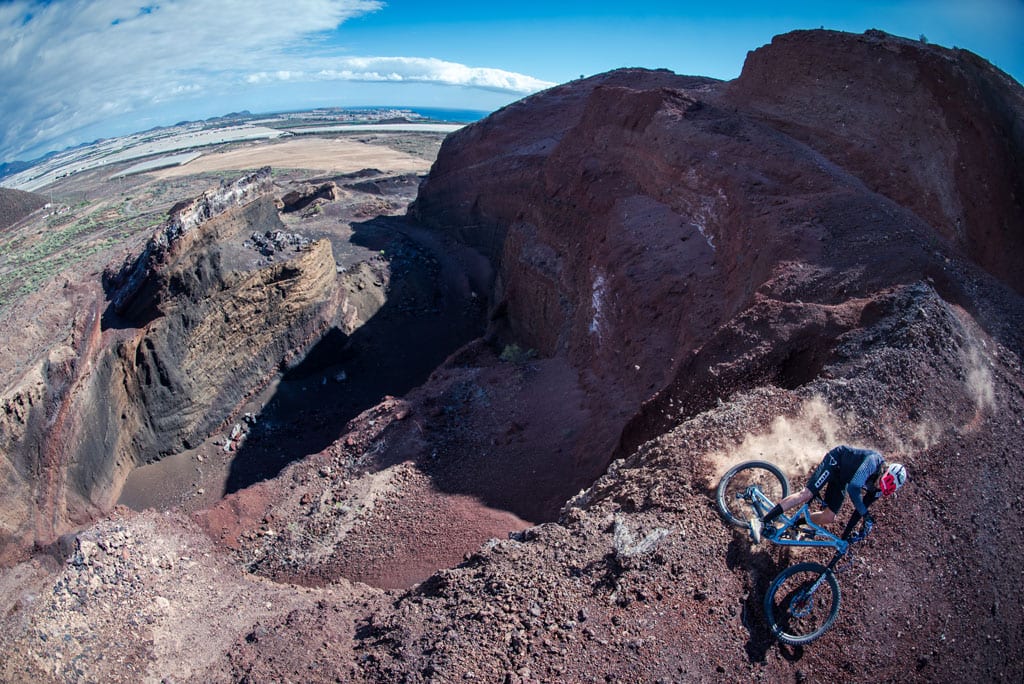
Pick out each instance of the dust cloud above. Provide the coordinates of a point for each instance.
(979, 382)
(923, 436)
(797, 443)
(794, 443)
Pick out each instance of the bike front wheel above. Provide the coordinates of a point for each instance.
(733, 504)
(802, 603)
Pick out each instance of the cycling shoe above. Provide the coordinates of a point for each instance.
(755, 529)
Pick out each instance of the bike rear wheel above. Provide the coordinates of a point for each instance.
(766, 476)
(797, 611)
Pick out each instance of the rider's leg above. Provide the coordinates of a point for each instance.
(822, 474)
(765, 523)
(791, 501)
(823, 517)
(833, 502)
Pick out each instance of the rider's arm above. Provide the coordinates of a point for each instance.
(854, 519)
(872, 496)
(858, 503)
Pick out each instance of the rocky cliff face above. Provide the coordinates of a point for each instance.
(937, 131)
(632, 214)
(192, 328)
(136, 291)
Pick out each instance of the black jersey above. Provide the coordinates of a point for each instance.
(846, 470)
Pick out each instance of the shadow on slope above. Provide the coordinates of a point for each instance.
(421, 322)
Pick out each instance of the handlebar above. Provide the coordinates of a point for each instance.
(865, 529)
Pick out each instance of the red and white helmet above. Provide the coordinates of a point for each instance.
(892, 478)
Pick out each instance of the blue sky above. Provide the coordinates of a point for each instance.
(75, 70)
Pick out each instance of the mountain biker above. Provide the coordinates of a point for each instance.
(846, 470)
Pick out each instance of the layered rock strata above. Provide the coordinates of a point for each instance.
(191, 329)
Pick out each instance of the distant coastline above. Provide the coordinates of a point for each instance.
(234, 127)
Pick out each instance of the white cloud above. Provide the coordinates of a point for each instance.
(67, 65)
(406, 69)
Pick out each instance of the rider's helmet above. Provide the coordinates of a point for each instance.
(892, 478)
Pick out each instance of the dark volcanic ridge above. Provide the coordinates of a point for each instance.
(642, 278)
(16, 205)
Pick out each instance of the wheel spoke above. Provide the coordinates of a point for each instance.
(734, 490)
(800, 607)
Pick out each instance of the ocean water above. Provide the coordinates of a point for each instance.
(454, 115)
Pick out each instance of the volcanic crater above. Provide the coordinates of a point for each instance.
(479, 439)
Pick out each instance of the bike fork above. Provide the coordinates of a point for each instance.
(817, 583)
(834, 562)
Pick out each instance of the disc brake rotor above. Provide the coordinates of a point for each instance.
(801, 604)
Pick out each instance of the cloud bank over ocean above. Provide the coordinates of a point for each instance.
(66, 66)
(407, 69)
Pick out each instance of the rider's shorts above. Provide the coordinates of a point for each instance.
(828, 473)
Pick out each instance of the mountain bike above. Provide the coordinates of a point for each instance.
(803, 600)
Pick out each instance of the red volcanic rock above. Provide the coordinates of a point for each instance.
(937, 131)
(632, 215)
(692, 249)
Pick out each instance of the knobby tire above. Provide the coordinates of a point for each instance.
(796, 623)
(767, 476)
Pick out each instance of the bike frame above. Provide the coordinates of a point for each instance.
(827, 538)
(762, 504)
